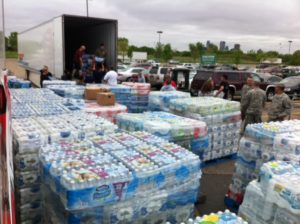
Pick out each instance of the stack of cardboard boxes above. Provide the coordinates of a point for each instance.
(102, 95)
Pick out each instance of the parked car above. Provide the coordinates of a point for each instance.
(121, 68)
(153, 63)
(292, 86)
(236, 81)
(127, 74)
(156, 76)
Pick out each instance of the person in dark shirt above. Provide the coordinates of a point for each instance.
(77, 61)
(99, 64)
(45, 75)
(224, 87)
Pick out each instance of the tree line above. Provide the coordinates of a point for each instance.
(165, 52)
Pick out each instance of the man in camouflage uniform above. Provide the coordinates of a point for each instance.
(281, 105)
(253, 105)
(246, 88)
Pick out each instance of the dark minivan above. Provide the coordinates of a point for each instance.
(236, 80)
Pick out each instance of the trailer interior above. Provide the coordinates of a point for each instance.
(90, 32)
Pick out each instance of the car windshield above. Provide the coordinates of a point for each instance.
(290, 80)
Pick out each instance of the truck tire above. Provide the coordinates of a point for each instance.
(270, 94)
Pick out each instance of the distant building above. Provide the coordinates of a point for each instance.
(207, 44)
(237, 47)
(222, 45)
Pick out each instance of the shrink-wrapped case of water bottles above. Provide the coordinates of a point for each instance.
(262, 143)
(225, 217)
(68, 91)
(29, 135)
(39, 102)
(108, 112)
(274, 197)
(222, 117)
(186, 132)
(139, 96)
(120, 177)
(160, 101)
(134, 96)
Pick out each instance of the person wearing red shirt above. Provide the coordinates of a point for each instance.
(172, 82)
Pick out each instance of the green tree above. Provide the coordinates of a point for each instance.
(237, 54)
(123, 46)
(200, 47)
(295, 59)
(167, 53)
(194, 51)
(13, 41)
(212, 48)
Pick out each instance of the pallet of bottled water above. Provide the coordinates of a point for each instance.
(108, 112)
(160, 101)
(121, 177)
(216, 218)
(148, 209)
(68, 91)
(15, 83)
(186, 132)
(29, 135)
(274, 197)
(223, 119)
(34, 95)
(122, 93)
(262, 143)
(139, 96)
(47, 83)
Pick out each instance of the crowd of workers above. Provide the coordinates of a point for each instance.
(253, 99)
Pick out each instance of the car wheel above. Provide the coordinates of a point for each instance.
(270, 94)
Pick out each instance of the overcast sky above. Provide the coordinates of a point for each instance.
(252, 23)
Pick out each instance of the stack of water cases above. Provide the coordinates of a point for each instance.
(262, 143)
(139, 96)
(29, 134)
(160, 101)
(119, 178)
(36, 102)
(223, 119)
(275, 197)
(189, 133)
(28, 137)
(14, 83)
(47, 83)
(108, 112)
(68, 91)
(226, 217)
(122, 93)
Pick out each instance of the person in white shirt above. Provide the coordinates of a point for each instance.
(111, 77)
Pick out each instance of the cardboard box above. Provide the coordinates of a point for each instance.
(91, 92)
(106, 99)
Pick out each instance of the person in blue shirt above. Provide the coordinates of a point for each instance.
(168, 86)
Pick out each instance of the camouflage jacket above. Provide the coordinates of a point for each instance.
(281, 107)
(254, 102)
(245, 90)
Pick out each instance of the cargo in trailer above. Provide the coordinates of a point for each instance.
(54, 43)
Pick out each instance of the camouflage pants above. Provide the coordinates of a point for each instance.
(250, 119)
